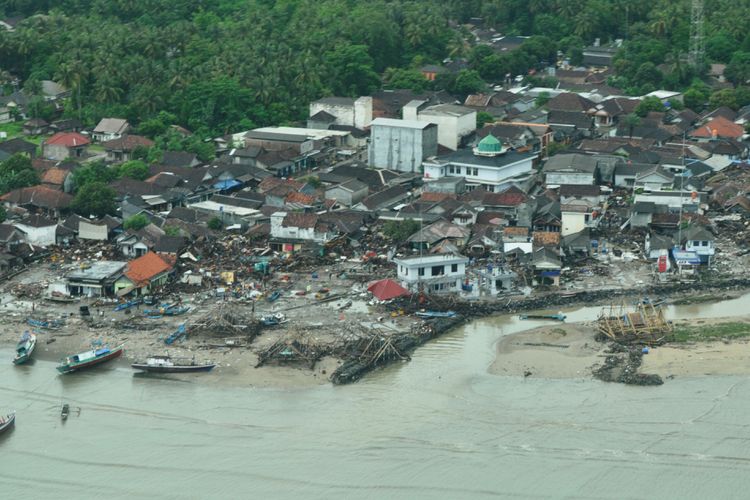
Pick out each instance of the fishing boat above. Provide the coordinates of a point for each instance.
(24, 348)
(553, 317)
(178, 334)
(273, 320)
(167, 364)
(50, 325)
(65, 411)
(7, 422)
(274, 296)
(436, 314)
(88, 359)
(176, 310)
(59, 297)
(128, 305)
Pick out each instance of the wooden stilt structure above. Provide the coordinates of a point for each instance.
(645, 324)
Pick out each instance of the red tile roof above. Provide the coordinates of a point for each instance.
(435, 197)
(141, 270)
(719, 127)
(68, 139)
(55, 176)
(546, 238)
(300, 198)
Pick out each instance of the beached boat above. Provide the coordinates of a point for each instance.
(65, 411)
(89, 358)
(50, 325)
(553, 317)
(167, 364)
(59, 297)
(7, 422)
(436, 314)
(24, 348)
(178, 334)
(176, 310)
(274, 296)
(128, 305)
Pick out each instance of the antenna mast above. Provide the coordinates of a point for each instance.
(697, 43)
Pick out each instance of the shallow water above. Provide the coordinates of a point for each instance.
(437, 427)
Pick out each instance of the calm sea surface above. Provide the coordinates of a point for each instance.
(437, 427)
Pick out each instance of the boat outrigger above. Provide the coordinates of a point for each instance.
(167, 364)
(24, 348)
(89, 358)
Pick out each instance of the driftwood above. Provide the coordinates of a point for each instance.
(293, 348)
(225, 321)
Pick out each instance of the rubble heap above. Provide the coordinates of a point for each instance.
(645, 325)
(225, 320)
(293, 348)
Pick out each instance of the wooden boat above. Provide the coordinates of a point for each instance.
(553, 317)
(167, 364)
(175, 310)
(128, 305)
(59, 297)
(178, 334)
(273, 319)
(51, 325)
(7, 422)
(274, 296)
(436, 314)
(65, 411)
(24, 348)
(88, 359)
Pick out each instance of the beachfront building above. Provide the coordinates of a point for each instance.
(432, 273)
(97, 280)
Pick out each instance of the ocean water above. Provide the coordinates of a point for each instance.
(439, 426)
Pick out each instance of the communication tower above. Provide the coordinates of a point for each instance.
(697, 44)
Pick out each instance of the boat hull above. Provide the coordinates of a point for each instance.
(23, 352)
(114, 354)
(172, 369)
(10, 420)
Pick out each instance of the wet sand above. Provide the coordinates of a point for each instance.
(564, 351)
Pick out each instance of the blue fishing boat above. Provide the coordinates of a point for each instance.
(178, 334)
(436, 314)
(24, 348)
(129, 304)
(176, 310)
(52, 325)
(274, 296)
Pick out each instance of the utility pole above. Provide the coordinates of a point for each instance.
(697, 43)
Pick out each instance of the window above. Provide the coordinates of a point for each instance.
(421, 271)
(451, 170)
(438, 270)
(475, 172)
(458, 170)
(454, 268)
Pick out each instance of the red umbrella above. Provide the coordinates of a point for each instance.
(387, 289)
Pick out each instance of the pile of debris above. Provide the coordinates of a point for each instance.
(621, 365)
(366, 353)
(225, 320)
(27, 290)
(293, 348)
(643, 325)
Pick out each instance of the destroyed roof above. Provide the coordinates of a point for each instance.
(299, 220)
(440, 230)
(546, 238)
(6, 232)
(38, 196)
(37, 221)
(696, 233)
(141, 270)
(127, 143)
(661, 241)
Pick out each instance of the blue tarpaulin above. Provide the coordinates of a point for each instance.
(228, 184)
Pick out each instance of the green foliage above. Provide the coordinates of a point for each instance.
(725, 97)
(649, 104)
(738, 69)
(467, 82)
(215, 223)
(16, 172)
(136, 222)
(399, 231)
(94, 198)
(312, 180)
(483, 118)
(720, 47)
(398, 78)
(97, 171)
(172, 231)
(555, 147)
(352, 71)
(710, 333)
(542, 99)
(133, 169)
(696, 97)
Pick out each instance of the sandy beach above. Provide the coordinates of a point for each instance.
(569, 350)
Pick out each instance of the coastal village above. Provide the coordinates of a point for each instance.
(340, 244)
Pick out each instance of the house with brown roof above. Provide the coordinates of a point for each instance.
(37, 230)
(39, 198)
(717, 128)
(18, 146)
(144, 274)
(121, 149)
(289, 227)
(65, 145)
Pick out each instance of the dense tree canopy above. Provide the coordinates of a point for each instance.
(95, 198)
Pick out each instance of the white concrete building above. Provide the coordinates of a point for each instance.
(38, 230)
(433, 273)
(454, 122)
(299, 226)
(401, 145)
(345, 110)
(575, 218)
(488, 165)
